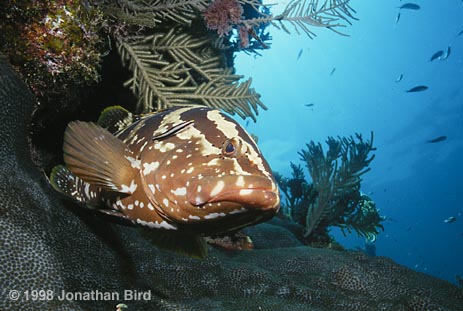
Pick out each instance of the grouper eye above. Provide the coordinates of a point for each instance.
(230, 147)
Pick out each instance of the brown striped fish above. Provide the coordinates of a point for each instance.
(186, 172)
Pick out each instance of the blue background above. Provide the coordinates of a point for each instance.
(416, 185)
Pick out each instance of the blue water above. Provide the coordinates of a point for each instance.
(416, 185)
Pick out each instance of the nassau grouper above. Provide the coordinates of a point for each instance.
(187, 171)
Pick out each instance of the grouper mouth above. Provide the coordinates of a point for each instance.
(249, 191)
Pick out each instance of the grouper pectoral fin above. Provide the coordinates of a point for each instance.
(99, 158)
(189, 244)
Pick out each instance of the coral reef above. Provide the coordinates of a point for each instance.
(175, 61)
(50, 243)
(58, 46)
(333, 198)
(76, 55)
(54, 45)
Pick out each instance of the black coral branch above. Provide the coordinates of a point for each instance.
(152, 13)
(302, 15)
(233, 98)
(336, 178)
(177, 69)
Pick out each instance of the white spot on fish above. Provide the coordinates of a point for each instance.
(133, 162)
(218, 188)
(129, 189)
(130, 206)
(226, 127)
(151, 186)
(214, 215)
(86, 190)
(179, 191)
(157, 225)
(142, 204)
(190, 170)
(213, 162)
(149, 167)
(198, 201)
(194, 217)
(199, 188)
(165, 202)
(143, 146)
(245, 192)
(150, 206)
(240, 181)
(164, 147)
(238, 211)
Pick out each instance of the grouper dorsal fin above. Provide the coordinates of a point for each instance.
(115, 118)
(99, 158)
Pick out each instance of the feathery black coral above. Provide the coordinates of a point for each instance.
(336, 178)
(155, 12)
(177, 69)
(333, 198)
(302, 15)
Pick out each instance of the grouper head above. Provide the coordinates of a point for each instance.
(209, 173)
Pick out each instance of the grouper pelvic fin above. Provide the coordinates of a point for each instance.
(99, 158)
(62, 180)
(189, 244)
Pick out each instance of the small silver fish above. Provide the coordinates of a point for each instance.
(299, 54)
(332, 71)
(450, 219)
(419, 88)
(187, 171)
(436, 55)
(410, 6)
(447, 54)
(397, 18)
(399, 78)
(437, 139)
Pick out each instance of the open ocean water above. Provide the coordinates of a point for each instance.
(334, 85)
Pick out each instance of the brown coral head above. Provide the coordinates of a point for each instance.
(221, 15)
